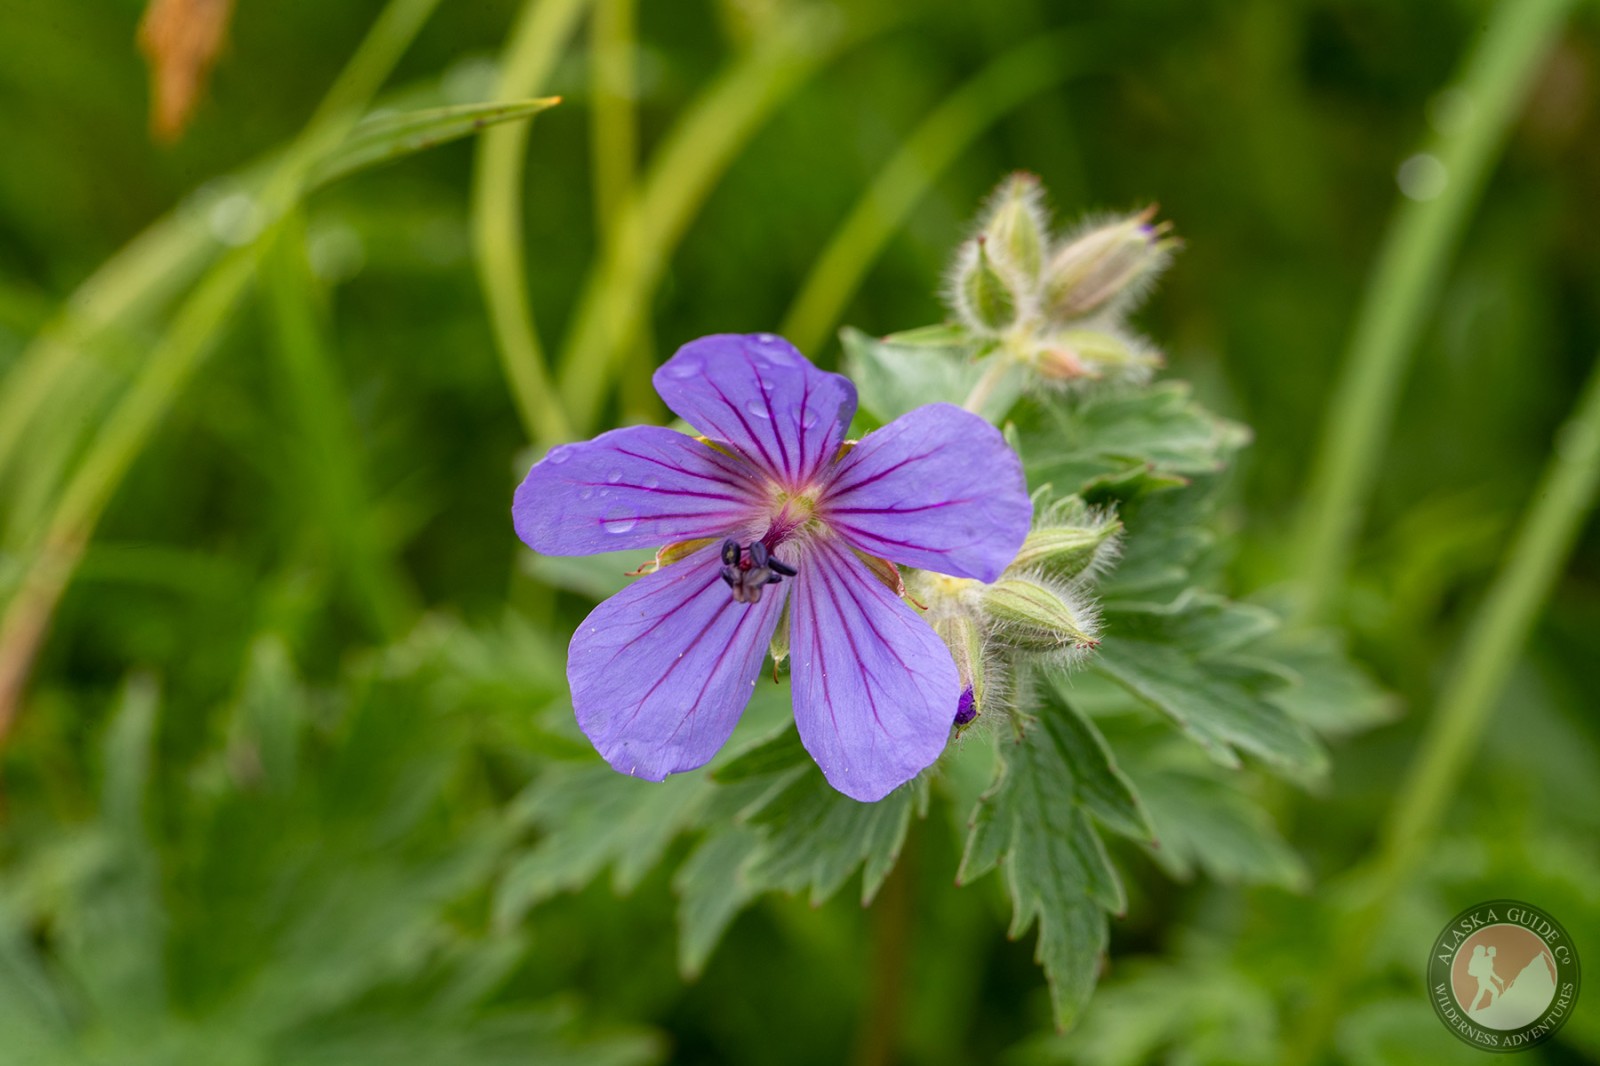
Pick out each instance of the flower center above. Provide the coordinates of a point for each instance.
(749, 569)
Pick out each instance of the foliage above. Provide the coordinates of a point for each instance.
(293, 777)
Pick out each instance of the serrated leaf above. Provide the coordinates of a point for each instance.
(594, 818)
(713, 886)
(1328, 692)
(383, 138)
(1072, 440)
(815, 837)
(1180, 659)
(902, 372)
(1202, 822)
(1102, 787)
(1035, 820)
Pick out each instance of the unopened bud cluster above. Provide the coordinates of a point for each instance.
(1059, 305)
(1039, 610)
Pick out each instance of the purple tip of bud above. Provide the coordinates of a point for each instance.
(966, 707)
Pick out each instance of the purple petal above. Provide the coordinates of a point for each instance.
(760, 395)
(661, 671)
(937, 489)
(639, 487)
(873, 683)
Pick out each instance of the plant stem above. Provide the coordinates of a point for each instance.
(700, 147)
(1416, 249)
(498, 237)
(614, 138)
(170, 364)
(338, 500)
(1543, 542)
(955, 123)
(1000, 364)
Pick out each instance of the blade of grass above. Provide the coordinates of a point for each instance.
(1416, 249)
(614, 141)
(541, 30)
(1003, 85)
(338, 501)
(1563, 498)
(175, 357)
(694, 155)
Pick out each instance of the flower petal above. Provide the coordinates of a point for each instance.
(661, 671)
(638, 487)
(937, 489)
(760, 395)
(873, 684)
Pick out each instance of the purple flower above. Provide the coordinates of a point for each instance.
(780, 512)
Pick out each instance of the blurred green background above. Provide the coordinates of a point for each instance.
(261, 790)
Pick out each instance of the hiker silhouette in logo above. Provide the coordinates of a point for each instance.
(1482, 967)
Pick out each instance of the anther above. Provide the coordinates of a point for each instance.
(750, 568)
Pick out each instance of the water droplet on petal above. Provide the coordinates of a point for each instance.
(614, 477)
(809, 419)
(619, 520)
(684, 368)
(767, 338)
(586, 493)
(652, 482)
(559, 455)
(757, 408)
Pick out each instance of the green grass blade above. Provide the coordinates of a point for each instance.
(497, 230)
(1416, 251)
(385, 138)
(1003, 85)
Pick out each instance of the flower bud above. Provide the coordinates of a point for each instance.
(1014, 222)
(1107, 266)
(1094, 354)
(1036, 617)
(983, 297)
(1064, 552)
(962, 635)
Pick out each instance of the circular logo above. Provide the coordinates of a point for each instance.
(1503, 976)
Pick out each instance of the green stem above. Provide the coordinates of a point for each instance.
(1411, 265)
(170, 364)
(697, 151)
(1543, 542)
(497, 228)
(337, 498)
(960, 118)
(614, 137)
(1000, 364)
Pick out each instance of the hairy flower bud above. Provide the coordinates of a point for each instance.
(1095, 355)
(1108, 266)
(963, 636)
(1064, 552)
(1037, 617)
(1015, 224)
(982, 295)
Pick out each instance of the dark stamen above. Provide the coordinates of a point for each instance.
(750, 568)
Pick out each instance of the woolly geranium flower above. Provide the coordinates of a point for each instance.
(771, 509)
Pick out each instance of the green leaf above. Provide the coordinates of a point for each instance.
(904, 371)
(1181, 660)
(1072, 440)
(815, 838)
(1036, 819)
(593, 818)
(382, 138)
(1204, 822)
(1328, 692)
(713, 886)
